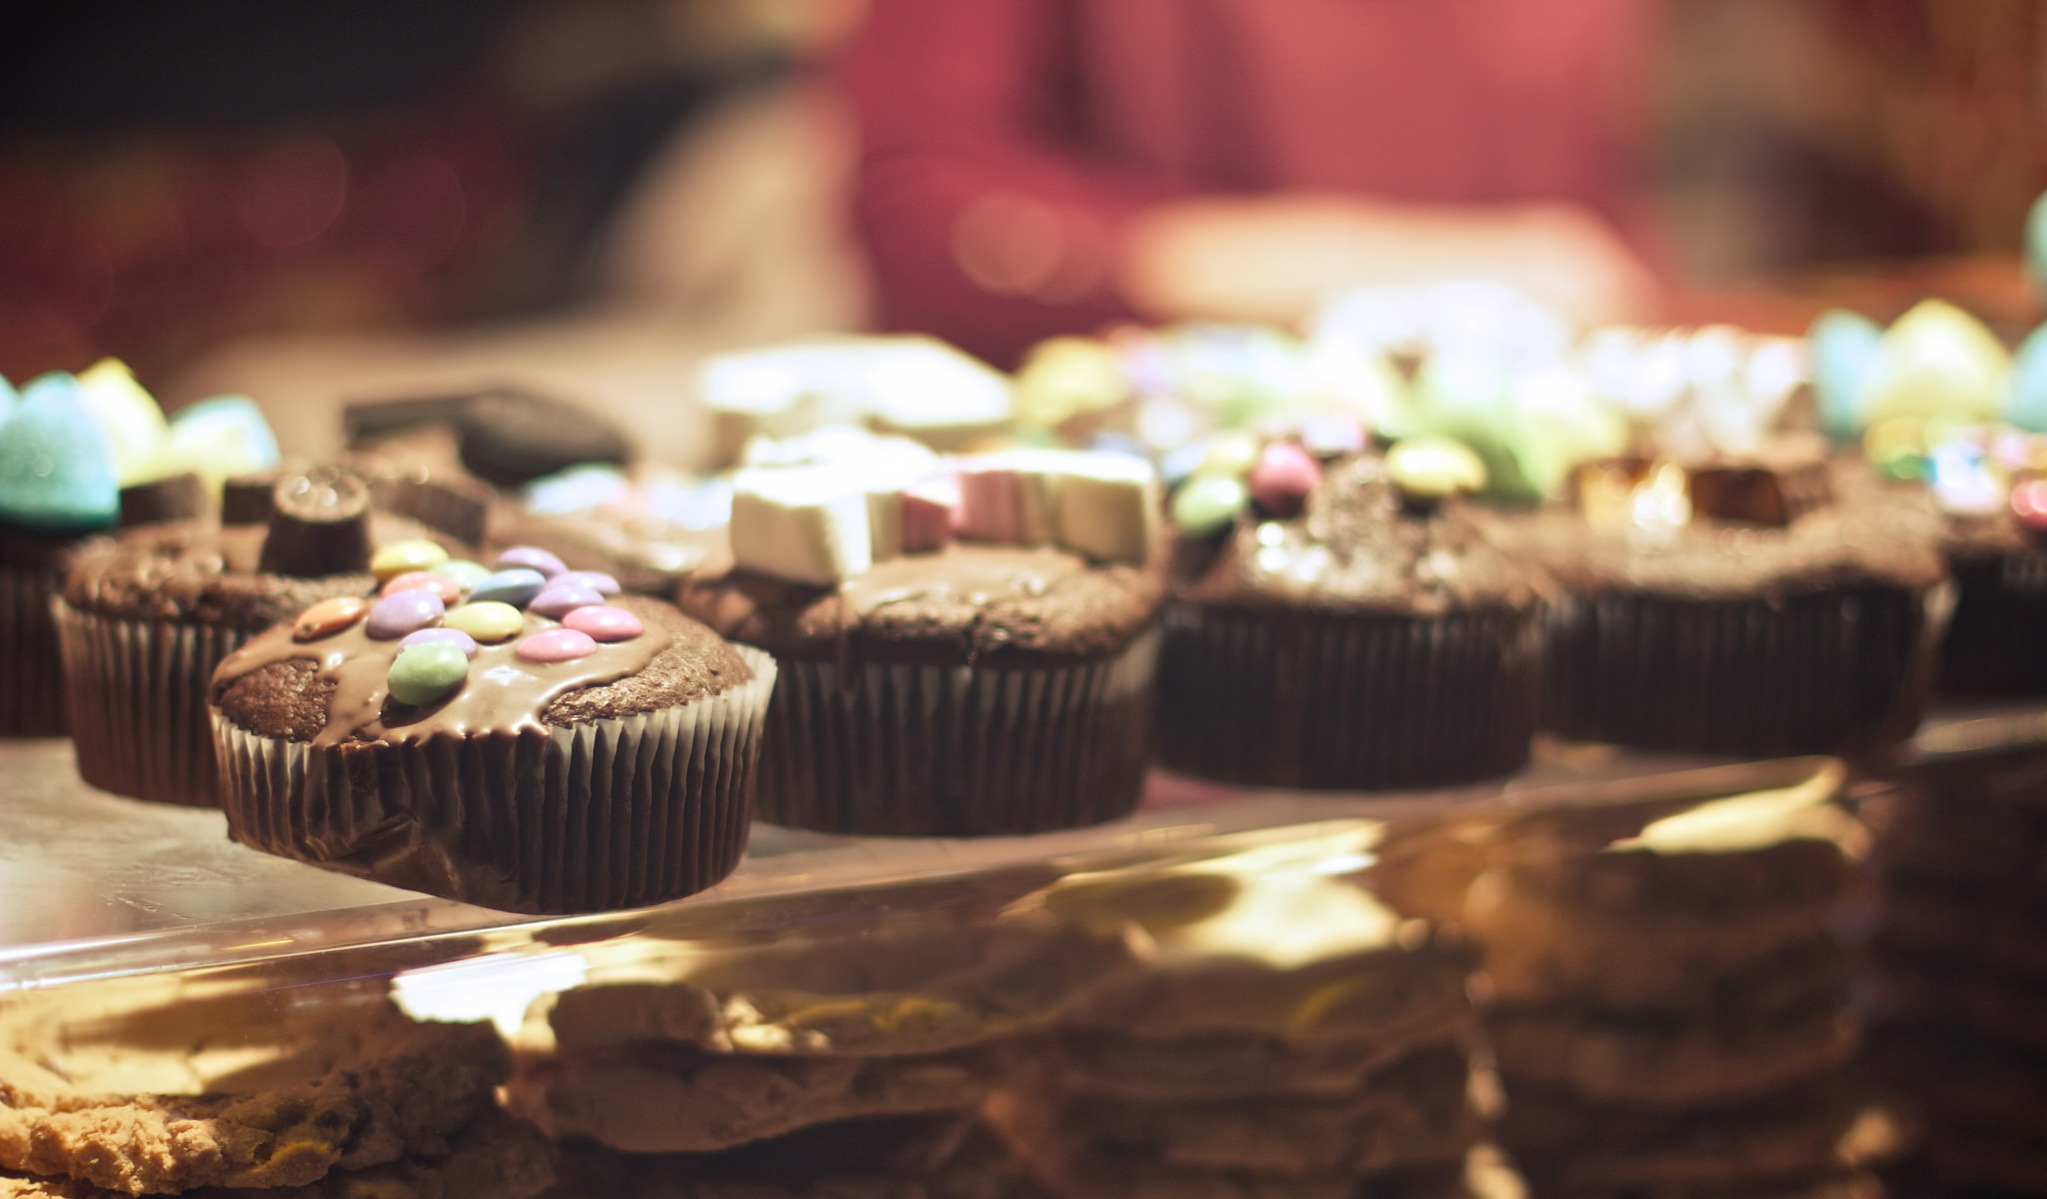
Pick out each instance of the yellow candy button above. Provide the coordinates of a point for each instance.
(328, 616)
(401, 556)
(486, 620)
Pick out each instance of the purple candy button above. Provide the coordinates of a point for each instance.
(531, 558)
(402, 612)
(556, 645)
(558, 601)
(604, 623)
(595, 580)
(455, 637)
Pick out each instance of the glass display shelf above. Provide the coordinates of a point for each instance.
(93, 885)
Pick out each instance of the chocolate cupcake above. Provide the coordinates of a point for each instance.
(517, 742)
(1778, 604)
(146, 616)
(998, 684)
(1352, 630)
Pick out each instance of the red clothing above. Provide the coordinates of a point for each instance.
(1005, 142)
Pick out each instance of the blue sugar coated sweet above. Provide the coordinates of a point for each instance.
(516, 587)
(1844, 349)
(57, 471)
(2027, 407)
(230, 420)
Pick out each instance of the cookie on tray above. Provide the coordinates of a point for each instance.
(154, 1099)
(662, 1097)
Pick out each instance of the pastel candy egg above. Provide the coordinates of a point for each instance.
(2027, 407)
(1208, 504)
(466, 574)
(560, 601)
(556, 645)
(517, 586)
(2036, 244)
(404, 557)
(455, 637)
(56, 469)
(1844, 347)
(328, 616)
(488, 621)
(220, 438)
(595, 580)
(1284, 476)
(423, 580)
(531, 558)
(604, 623)
(1938, 360)
(421, 674)
(1433, 468)
(129, 416)
(402, 612)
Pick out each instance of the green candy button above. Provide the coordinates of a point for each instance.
(486, 620)
(465, 573)
(1208, 504)
(1434, 468)
(424, 673)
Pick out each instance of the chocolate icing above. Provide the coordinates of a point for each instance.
(980, 602)
(265, 686)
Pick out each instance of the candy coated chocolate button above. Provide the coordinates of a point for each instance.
(604, 623)
(488, 621)
(425, 580)
(455, 637)
(1208, 504)
(556, 645)
(595, 580)
(401, 557)
(530, 557)
(424, 673)
(2029, 504)
(1332, 435)
(466, 574)
(1284, 476)
(403, 612)
(329, 616)
(1232, 454)
(516, 587)
(559, 601)
(1434, 468)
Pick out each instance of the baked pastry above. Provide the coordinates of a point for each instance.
(77, 456)
(516, 741)
(1350, 627)
(1000, 683)
(147, 615)
(1770, 604)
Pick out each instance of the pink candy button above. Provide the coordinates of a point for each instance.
(556, 645)
(604, 623)
(420, 580)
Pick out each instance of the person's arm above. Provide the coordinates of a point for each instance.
(985, 220)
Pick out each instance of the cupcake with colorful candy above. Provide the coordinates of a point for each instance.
(146, 615)
(1342, 620)
(966, 643)
(80, 455)
(521, 737)
(1936, 402)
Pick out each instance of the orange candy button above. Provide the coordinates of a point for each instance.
(329, 616)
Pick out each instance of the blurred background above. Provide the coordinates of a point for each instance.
(324, 200)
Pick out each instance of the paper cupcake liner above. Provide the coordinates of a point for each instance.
(32, 691)
(1996, 642)
(1347, 701)
(1835, 672)
(615, 813)
(958, 751)
(135, 699)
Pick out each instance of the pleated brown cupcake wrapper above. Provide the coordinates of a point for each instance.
(1347, 701)
(958, 751)
(135, 698)
(616, 813)
(1835, 672)
(1997, 640)
(32, 687)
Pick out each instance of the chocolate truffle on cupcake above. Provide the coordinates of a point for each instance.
(1347, 627)
(1767, 603)
(997, 683)
(77, 456)
(146, 616)
(527, 740)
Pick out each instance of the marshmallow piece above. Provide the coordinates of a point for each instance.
(928, 510)
(1107, 506)
(1007, 496)
(805, 524)
(925, 388)
(884, 523)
